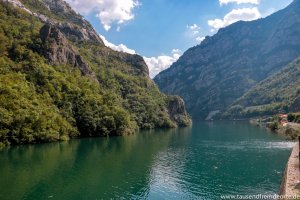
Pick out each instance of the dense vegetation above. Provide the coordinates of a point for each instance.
(42, 102)
(294, 117)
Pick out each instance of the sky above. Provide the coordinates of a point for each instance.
(161, 30)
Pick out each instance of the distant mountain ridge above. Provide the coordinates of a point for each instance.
(213, 75)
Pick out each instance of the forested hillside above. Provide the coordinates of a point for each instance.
(58, 80)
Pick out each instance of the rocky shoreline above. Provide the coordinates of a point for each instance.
(290, 185)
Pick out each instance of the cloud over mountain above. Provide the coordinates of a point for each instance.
(120, 47)
(155, 64)
(108, 11)
(160, 63)
(244, 14)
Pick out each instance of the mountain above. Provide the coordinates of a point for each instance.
(279, 93)
(213, 75)
(58, 80)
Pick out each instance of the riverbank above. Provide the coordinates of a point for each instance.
(289, 129)
(290, 185)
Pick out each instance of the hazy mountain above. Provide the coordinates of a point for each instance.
(213, 75)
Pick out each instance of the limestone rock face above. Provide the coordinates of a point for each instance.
(74, 25)
(63, 17)
(58, 50)
(137, 61)
(177, 111)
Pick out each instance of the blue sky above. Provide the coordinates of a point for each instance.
(161, 30)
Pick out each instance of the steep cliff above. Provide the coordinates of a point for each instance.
(58, 51)
(214, 74)
(59, 14)
(176, 109)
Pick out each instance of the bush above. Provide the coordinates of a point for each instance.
(274, 126)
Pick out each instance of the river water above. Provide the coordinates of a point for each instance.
(204, 161)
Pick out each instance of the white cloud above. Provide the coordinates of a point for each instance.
(193, 28)
(178, 51)
(120, 47)
(160, 63)
(239, 1)
(200, 39)
(155, 64)
(194, 32)
(244, 14)
(108, 11)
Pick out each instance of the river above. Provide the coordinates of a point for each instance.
(200, 162)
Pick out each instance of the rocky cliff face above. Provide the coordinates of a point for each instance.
(58, 51)
(59, 14)
(212, 75)
(73, 25)
(176, 109)
(139, 65)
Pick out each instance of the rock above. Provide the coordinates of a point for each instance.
(137, 62)
(72, 24)
(58, 51)
(139, 66)
(177, 111)
(17, 3)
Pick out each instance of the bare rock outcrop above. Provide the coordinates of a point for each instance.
(177, 111)
(57, 50)
(72, 24)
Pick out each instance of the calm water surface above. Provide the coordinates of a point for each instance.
(200, 162)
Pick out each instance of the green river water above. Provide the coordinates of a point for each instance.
(201, 162)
